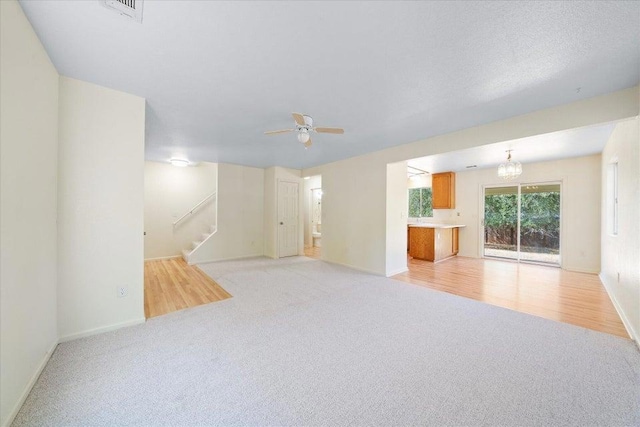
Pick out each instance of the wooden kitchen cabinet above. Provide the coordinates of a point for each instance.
(433, 244)
(444, 190)
(421, 243)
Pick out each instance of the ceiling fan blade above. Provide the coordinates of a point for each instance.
(329, 130)
(308, 143)
(299, 118)
(271, 132)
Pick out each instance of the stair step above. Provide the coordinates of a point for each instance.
(205, 236)
(195, 244)
(212, 229)
(185, 254)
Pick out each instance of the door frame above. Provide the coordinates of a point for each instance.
(561, 182)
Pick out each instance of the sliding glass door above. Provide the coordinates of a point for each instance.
(522, 222)
(501, 222)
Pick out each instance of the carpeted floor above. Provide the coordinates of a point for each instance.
(304, 342)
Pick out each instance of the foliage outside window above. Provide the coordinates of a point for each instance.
(420, 203)
(539, 221)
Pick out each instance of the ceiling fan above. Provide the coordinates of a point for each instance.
(304, 125)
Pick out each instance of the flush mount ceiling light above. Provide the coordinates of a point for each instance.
(179, 162)
(510, 169)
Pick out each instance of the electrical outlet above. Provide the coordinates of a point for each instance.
(122, 291)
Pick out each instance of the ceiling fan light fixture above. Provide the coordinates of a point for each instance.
(303, 135)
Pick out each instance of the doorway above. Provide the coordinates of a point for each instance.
(312, 220)
(521, 222)
(287, 218)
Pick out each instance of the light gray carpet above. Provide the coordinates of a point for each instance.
(304, 342)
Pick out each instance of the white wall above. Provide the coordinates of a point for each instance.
(621, 253)
(100, 208)
(272, 176)
(309, 184)
(354, 190)
(240, 215)
(419, 181)
(580, 200)
(169, 192)
(354, 216)
(397, 207)
(28, 168)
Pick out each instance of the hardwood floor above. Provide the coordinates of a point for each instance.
(312, 252)
(172, 285)
(552, 293)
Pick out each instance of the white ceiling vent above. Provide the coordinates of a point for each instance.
(131, 9)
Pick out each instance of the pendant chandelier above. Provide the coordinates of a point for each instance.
(510, 169)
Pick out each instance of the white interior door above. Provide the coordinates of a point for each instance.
(287, 218)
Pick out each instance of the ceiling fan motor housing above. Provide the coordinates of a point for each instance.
(308, 121)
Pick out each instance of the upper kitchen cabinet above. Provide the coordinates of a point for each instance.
(444, 190)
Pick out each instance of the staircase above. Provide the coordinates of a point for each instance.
(199, 219)
(186, 253)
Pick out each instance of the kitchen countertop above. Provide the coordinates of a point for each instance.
(431, 225)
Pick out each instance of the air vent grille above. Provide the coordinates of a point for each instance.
(131, 9)
(129, 3)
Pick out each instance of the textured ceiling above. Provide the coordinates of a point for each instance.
(216, 75)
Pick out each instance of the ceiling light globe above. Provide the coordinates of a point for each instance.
(303, 135)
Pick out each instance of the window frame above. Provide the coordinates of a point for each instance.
(420, 208)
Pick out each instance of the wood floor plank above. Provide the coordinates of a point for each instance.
(549, 292)
(172, 285)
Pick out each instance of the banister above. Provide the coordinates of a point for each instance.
(190, 211)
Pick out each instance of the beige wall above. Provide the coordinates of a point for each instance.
(580, 200)
(354, 194)
(28, 236)
(621, 253)
(170, 192)
(397, 207)
(240, 215)
(354, 204)
(100, 208)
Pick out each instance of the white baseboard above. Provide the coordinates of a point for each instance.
(364, 270)
(101, 330)
(163, 257)
(30, 385)
(625, 320)
(397, 271)
(227, 259)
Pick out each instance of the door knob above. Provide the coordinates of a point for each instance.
(281, 223)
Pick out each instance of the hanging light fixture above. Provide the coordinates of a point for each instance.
(510, 169)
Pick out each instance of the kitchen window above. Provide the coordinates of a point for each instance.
(420, 203)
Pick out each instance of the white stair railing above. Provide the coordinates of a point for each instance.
(190, 212)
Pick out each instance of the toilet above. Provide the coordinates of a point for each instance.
(316, 233)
